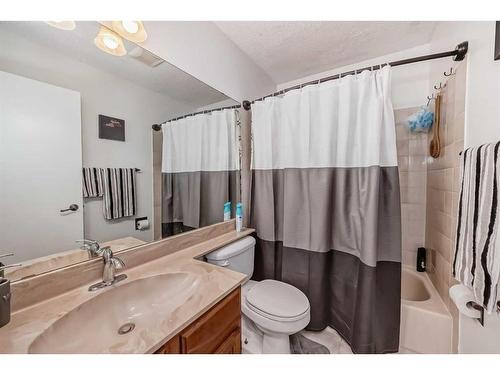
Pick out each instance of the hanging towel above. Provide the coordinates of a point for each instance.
(119, 192)
(92, 182)
(477, 255)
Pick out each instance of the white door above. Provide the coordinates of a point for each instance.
(40, 168)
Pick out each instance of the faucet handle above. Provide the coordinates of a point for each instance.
(106, 252)
(92, 246)
(2, 267)
(86, 241)
(118, 263)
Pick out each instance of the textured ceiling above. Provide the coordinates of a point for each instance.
(291, 50)
(78, 44)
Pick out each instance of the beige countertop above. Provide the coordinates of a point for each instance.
(49, 262)
(213, 284)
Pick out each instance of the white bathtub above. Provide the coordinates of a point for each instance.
(426, 324)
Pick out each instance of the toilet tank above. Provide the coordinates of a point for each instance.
(237, 256)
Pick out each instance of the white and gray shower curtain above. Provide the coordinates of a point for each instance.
(325, 204)
(200, 169)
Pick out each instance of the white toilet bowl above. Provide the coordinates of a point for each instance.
(278, 310)
(272, 310)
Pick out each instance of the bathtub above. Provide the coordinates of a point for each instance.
(426, 324)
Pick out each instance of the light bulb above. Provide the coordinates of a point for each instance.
(131, 30)
(131, 27)
(109, 42)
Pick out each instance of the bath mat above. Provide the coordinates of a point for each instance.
(300, 344)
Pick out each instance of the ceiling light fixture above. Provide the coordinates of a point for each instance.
(110, 42)
(62, 25)
(131, 30)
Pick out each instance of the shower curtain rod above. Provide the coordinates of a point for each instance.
(458, 55)
(157, 127)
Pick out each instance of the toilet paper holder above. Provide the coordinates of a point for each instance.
(478, 307)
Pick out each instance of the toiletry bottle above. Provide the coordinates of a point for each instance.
(239, 217)
(421, 259)
(227, 211)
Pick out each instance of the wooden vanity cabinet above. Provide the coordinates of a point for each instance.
(218, 331)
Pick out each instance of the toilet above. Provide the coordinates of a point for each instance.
(272, 310)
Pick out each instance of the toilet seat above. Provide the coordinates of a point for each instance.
(277, 301)
(276, 306)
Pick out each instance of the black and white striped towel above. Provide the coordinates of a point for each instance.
(119, 192)
(477, 250)
(92, 182)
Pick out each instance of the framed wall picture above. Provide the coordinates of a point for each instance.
(497, 41)
(111, 128)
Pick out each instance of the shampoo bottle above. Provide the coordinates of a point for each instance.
(239, 217)
(227, 211)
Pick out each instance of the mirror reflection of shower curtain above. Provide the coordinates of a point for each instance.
(325, 204)
(200, 170)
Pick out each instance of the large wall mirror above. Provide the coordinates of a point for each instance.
(79, 158)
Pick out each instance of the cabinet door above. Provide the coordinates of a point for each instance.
(232, 345)
(209, 332)
(173, 346)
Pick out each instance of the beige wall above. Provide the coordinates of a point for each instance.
(442, 190)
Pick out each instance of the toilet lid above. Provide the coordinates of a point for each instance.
(277, 299)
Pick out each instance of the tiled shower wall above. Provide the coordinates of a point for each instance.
(412, 151)
(442, 185)
(442, 190)
(429, 188)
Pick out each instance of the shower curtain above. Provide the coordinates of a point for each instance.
(325, 204)
(200, 170)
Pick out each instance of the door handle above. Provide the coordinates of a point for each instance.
(72, 207)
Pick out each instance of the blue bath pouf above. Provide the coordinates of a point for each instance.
(421, 122)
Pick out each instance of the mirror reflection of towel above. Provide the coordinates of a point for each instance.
(92, 183)
(119, 192)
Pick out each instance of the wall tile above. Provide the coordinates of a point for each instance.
(412, 151)
(442, 187)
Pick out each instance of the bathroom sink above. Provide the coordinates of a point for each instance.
(115, 320)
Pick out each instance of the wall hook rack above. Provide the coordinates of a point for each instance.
(440, 87)
(429, 98)
(451, 73)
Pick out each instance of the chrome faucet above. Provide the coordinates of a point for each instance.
(92, 246)
(3, 266)
(111, 264)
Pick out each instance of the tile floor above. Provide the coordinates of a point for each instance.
(336, 344)
(329, 338)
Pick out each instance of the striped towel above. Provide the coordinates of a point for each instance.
(119, 192)
(92, 182)
(477, 252)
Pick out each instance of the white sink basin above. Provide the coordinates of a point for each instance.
(93, 327)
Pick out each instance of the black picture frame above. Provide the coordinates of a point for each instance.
(111, 128)
(497, 41)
